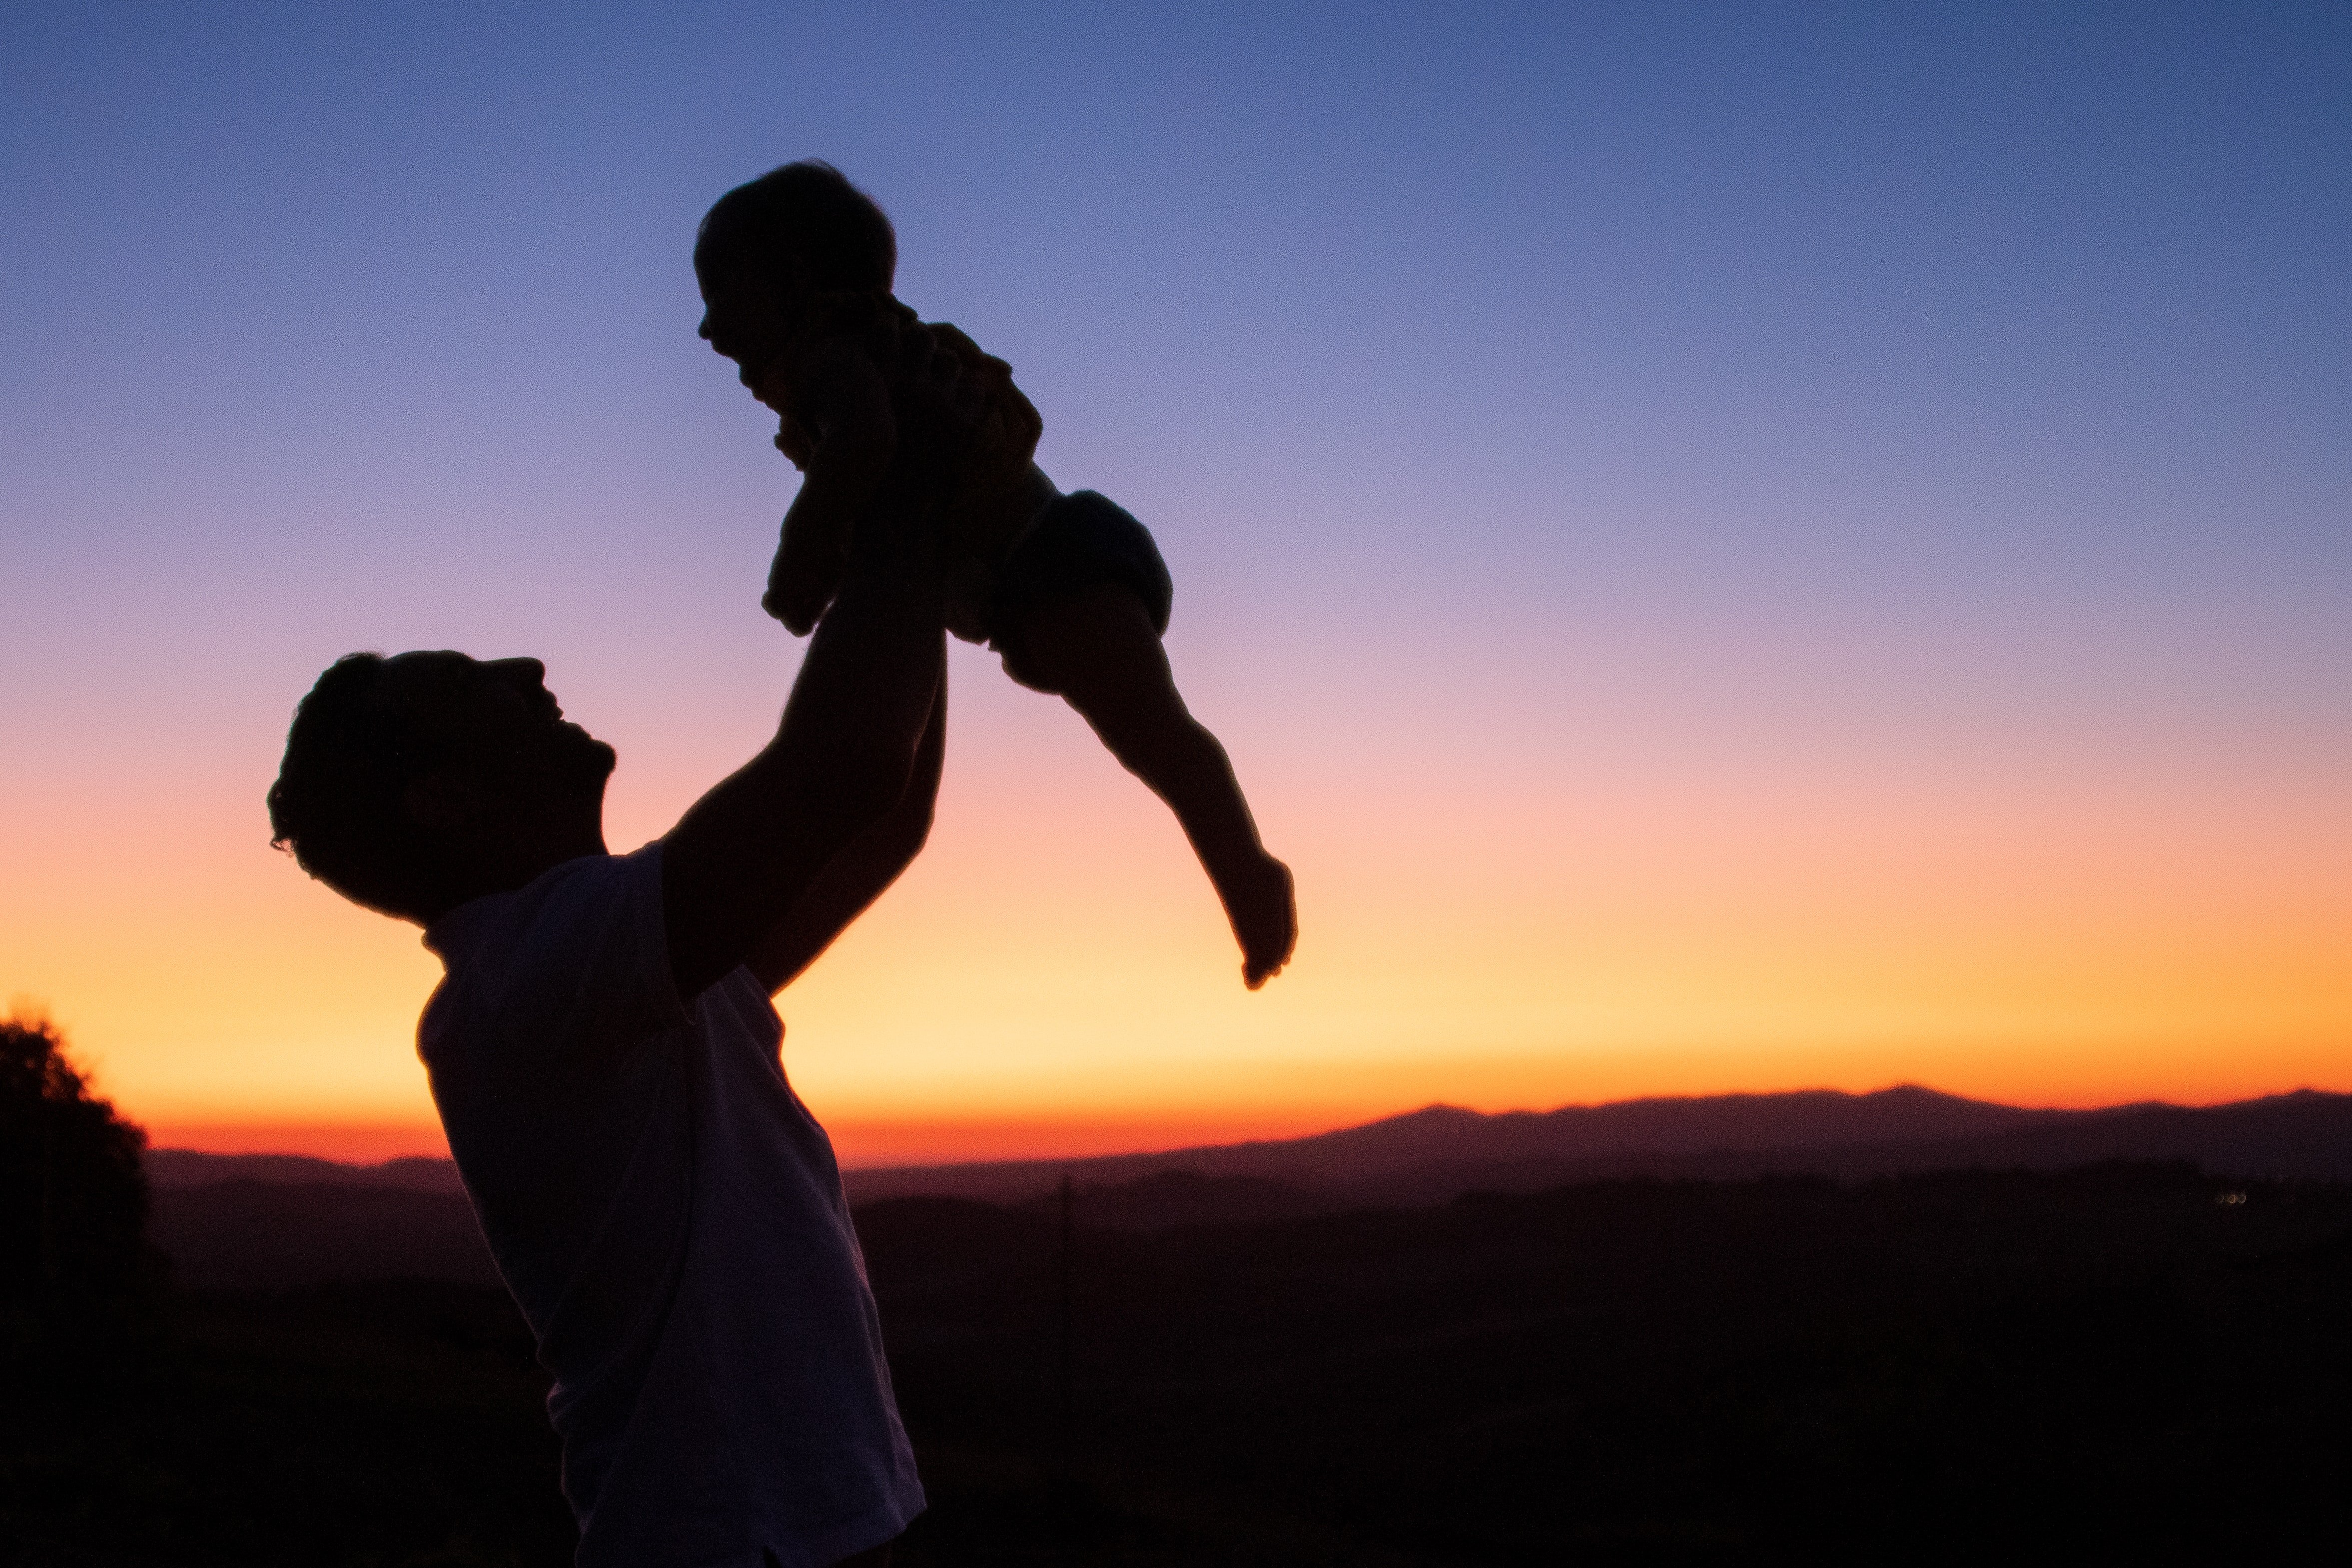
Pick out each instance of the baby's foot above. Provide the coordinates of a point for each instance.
(1265, 915)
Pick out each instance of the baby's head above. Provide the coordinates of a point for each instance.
(766, 248)
(801, 227)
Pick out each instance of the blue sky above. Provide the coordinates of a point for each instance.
(1727, 391)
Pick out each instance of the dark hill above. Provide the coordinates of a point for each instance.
(278, 1236)
(278, 1221)
(194, 1168)
(1430, 1155)
(2124, 1361)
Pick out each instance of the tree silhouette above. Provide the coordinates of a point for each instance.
(76, 1268)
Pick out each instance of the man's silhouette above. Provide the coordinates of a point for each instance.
(605, 1058)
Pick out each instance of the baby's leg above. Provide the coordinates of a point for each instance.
(1098, 648)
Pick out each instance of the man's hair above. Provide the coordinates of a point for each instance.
(804, 215)
(338, 802)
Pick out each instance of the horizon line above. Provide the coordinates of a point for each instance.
(397, 1132)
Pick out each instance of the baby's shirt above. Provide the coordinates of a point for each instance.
(986, 488)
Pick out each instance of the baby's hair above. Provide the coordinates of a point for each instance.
(807, 217)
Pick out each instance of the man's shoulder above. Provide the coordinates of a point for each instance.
(588, 933)
(558, 898)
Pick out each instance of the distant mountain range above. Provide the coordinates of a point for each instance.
(277, 1219)
(175, 1168)
(1430, 1155)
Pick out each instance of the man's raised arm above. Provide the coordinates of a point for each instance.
(860, 874)
(841, 762)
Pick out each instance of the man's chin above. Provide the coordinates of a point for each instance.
(584, 764)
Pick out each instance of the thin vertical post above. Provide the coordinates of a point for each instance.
(1067, 1324)
(1064, 1494)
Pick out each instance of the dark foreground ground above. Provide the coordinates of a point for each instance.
(2123, 1363)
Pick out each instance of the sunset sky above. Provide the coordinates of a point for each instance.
(1734, 547)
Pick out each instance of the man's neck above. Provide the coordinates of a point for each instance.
(516, 861)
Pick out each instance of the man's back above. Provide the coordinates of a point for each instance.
(670, 1218)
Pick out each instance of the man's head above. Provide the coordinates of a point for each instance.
(415, 782)
(765, 245)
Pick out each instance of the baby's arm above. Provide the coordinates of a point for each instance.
(1098, 649)
(841, 410)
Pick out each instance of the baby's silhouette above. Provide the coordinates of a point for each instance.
(796, 269)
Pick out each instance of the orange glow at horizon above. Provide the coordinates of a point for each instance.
(1053, 977)
(1719, 571)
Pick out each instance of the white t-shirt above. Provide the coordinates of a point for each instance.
(671, 1220)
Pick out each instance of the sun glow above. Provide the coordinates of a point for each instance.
(1690, 620)
(1054, 975)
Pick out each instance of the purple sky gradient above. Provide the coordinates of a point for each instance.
(1907, 394)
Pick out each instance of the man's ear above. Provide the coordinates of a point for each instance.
(444, 800)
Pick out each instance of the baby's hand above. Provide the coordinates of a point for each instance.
(793, 442)
(769, 385)
(797, 592)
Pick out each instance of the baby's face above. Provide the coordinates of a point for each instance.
(743, 318)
